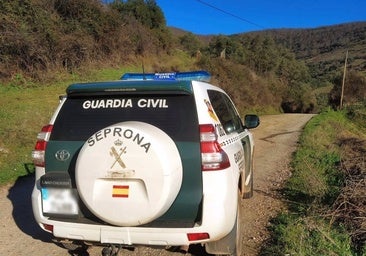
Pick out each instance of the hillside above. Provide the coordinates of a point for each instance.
(324, 48)
(323, 51)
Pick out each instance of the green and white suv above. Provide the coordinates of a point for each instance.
(152, 159)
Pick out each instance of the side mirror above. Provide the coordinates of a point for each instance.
(251, 121)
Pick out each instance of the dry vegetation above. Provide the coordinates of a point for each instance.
(350, 206)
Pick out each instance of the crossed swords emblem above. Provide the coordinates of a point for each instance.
(117, 156)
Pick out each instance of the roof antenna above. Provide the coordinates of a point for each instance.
(143, 70)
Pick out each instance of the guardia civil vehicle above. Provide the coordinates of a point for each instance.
(151, 159)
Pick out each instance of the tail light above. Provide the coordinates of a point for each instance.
(39, 150)
(197, 236)
(213, 156)
(48, 227)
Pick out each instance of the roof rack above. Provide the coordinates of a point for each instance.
(181, 76)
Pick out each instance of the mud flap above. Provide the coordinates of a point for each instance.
(231, 243)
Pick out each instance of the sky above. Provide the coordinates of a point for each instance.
(227, 17)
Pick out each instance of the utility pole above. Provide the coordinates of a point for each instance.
(343, 82)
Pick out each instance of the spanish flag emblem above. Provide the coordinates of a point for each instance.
(120, 191)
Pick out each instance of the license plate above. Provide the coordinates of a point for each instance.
(59, 201)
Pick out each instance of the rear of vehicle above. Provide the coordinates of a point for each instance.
(134, 162)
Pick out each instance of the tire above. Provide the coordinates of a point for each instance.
(247, 182)
(129, 173)
(231, 244)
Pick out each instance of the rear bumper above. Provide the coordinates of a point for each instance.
(219, 213)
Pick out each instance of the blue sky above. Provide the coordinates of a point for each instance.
(237, 16)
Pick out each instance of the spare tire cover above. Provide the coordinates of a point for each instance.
(129, 173)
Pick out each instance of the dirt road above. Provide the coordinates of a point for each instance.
(275, 139)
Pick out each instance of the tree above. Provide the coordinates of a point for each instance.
(190, 43)
(354, 89)
(147, 12)
(298, 98)
(149, 22)
(230, 46)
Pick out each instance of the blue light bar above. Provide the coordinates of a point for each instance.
(181, 76)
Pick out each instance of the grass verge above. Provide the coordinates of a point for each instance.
(25, 108)
(326, 192)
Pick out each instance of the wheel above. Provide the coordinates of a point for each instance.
(247, 181)
(231, 244)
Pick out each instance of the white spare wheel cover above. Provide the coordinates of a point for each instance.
(129, 173)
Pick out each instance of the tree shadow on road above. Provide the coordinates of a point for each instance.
(20, 196)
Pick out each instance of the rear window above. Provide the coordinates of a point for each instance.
(79, 118)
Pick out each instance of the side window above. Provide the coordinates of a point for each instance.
(225, 111)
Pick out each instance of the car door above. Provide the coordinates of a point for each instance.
(234, 140)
